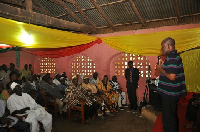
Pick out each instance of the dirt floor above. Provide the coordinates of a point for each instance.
(122, 122)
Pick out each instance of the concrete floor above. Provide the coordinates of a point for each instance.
(123, 122)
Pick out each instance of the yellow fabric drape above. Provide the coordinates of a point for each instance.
(43, 37)
(191, 64)
(150, 44)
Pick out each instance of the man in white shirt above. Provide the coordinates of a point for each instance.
(56, 80)
(22, 103)
(7, 121)
(94, 79)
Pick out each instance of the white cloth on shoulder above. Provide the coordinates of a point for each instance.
(35, 114)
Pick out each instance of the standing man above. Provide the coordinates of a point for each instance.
(132, 77)
(171, 85)
(25, 72)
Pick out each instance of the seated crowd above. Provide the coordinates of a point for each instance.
(22, 91)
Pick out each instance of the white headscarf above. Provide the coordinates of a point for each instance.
(13, 85)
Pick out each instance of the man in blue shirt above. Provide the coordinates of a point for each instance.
(171, 85)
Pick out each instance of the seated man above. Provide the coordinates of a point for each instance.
(63, 85)
(94, 79)
(6, 119)
(193, 107)
(50, 88)
(75, 93)
(122, 95)
(110, 97)
(32, 88)
(56, 80)
(12, 122)
(92, 90)
(89, 86)
(67, 81)
(22, 103)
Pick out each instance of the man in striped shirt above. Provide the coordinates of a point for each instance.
(171, 85)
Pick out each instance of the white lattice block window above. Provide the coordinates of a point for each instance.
(140, 62)
(83, 65)
(47, 65)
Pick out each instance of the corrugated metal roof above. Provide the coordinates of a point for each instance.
(83, 19)
(155, 9)
(53, 9)
(188, 7)
(84, 3)
(96, 17)
(68, 18)
(120, 14)
(100, 2)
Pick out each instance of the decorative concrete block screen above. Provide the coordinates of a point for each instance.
(47, 65)
(83, 65)
(140, 62)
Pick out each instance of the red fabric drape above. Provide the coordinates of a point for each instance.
(61, 52)
(5, 46)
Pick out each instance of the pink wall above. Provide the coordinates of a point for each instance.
(103, 59)
(10, 57)
(101, 54)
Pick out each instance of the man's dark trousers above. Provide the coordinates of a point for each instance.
(131, 89)
(170, 114)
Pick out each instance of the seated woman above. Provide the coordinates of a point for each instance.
(193, 107)
(110, 97)
(121, 95)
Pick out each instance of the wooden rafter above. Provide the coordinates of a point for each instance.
(81, 11)
(18, 3)
(136, 12)
(91, 8)
(22, 15)
(29, 6)
(67, 8)
(103, 5)
(177, 10)
(41, 9)
(102, 12)
(23, 5)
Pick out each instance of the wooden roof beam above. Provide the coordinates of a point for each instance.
(82, 13)
(39, 8)
(136, 12)
(22, 15)
(23, 5)
(29, 5)
(91, 8)
(177, 10)
(102, 12)
(67, 8)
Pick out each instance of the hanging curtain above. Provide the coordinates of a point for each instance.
(150, 44)
(15, 33)
(61, 52)
(191, 64)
